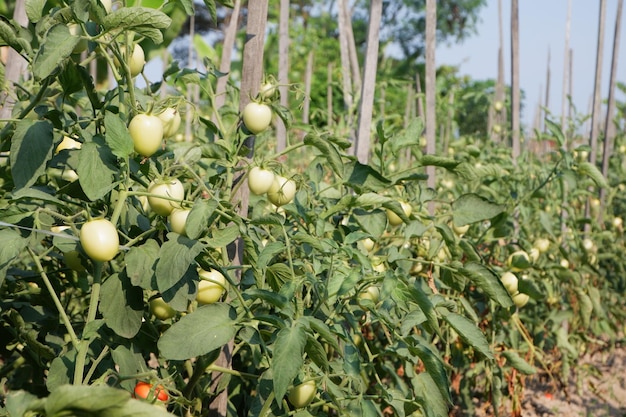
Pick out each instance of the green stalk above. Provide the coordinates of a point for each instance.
(83, 347)
(55, 298)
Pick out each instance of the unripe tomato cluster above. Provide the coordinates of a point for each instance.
(145, 391)
(511, 282)
(279, 190)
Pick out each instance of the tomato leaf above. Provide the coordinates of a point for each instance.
(140, 263)
(57, 46)
(517, 362)
(11, 246)
(117, 136)
(222, 237)
(90, 398)
(121, 305)
(175, 257)
(430, 395)
(143, 20)
(488, 282)
(198, 220)
(316, 352)
(208, 328)
(470, 333)
(96, 169)
(472, 208)
(31, 149)
(328, 149)
(434, 368)
(288, 356)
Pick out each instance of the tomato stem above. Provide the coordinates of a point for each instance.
(55, 298)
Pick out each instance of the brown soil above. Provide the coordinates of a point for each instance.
(597, 390)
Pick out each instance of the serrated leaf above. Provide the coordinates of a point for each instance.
(517, 362)
(472, 208)
(117, 136)
(287, 358)
(34, 9)
(469, 332)
(421, 299)
(488, 282)
(318, 326)
(17, 403)
(434, 368)
(177, 254)
(140, 263)
(121, 305)
(208, 328)
(270, 297)
(223, 237)
(373, 222)
(316, 352)
(362, 176)
(434, 403)
(96, 169)
(31, 149)
(269, 251)
(143, 20)
(211, 7)
(556, 131)
(57, 46)
(372, 200)
(198, 220)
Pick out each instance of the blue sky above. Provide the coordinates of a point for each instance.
(542, 27)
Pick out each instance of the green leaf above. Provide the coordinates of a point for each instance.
(329, 151)
(143, 20)
(129, 362)
(267, 254)
(434, 368)
(57, 46)
(17, 403)
(208, 328)
(586, 307)
(61, 370)
(470, 333)
(188, 7)
(37, 194)
(316, 352)
(198, 220)
(439, 161)
(86, 398)
(222, 237)
(13, 35)
(517, 362)
(556, 131)
(472, 208)
(435, 404)
(11, 246)
(421, 298)
(121, 305)
(488, 282)
(96, 169)
(135, 408)
(117, 136)
(31, 149)
(288, 357)
(373, 222)
(318, 326)
(140, 263)
(361, 176)
(177, 254)
(590, 170)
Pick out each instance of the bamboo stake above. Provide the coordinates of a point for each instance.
(566, 68)
(515, 85)
(308, 76)
(15, 66)
(230, 37)
(283, 71)
(431, 80)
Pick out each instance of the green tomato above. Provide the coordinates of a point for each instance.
(100, 240)
(510, 282)
(146, 131)
(394, 219)
(137, 60)
(172, 188)
(260, 180)
(267, 90)
(257, 117)
(301, 395)
(211, 286)
(460, 230)
(178, 220)
(160, 309)
(281, 191)
(368, 244)
(520, 299)
(371, 293)
(542, 245)
(170, 118)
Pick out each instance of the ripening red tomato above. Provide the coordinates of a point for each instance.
(144, 391)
